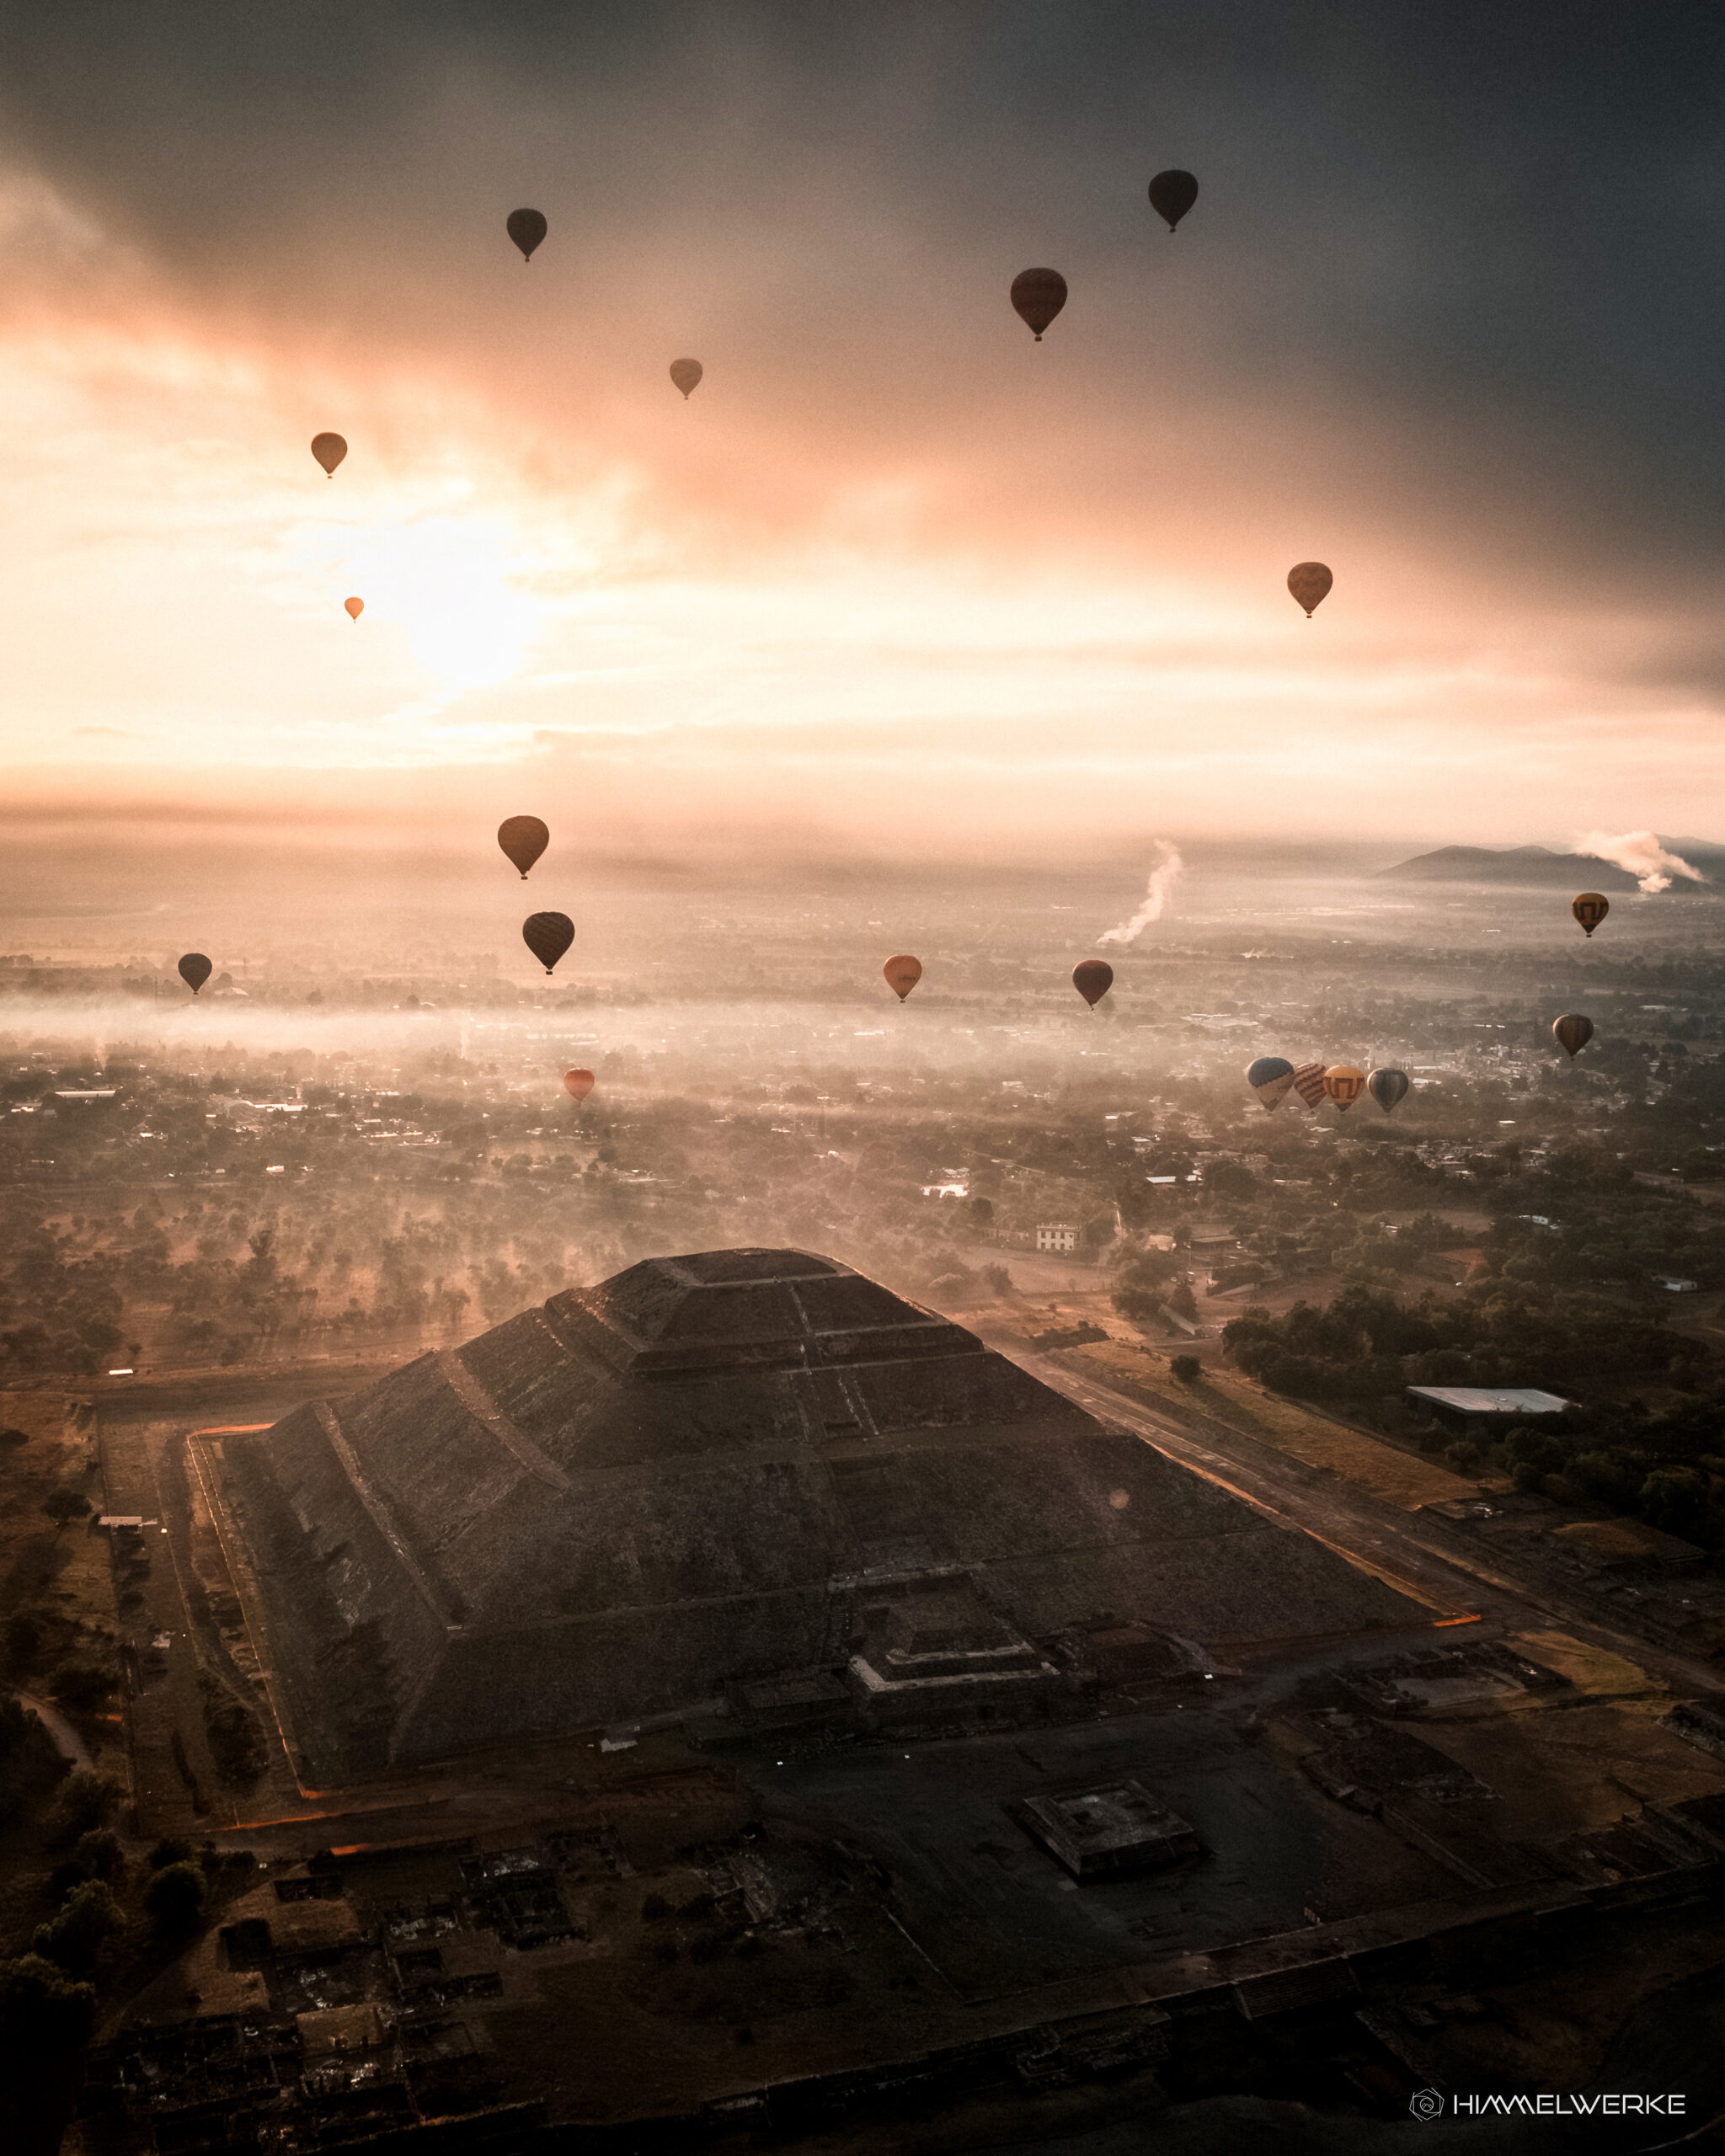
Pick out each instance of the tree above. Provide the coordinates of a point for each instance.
(75, 1935)
(85, 1801)
(23, 1638)
(1674, 1499)
(1187, 1368)
(44, 2016)
(80, 1685)
(99, 1855)
(62, 1506)
(174, 1896)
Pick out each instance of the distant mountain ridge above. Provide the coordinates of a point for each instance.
(1538, 866)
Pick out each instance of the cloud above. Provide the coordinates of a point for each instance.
(1641, 855)
(1162, 879)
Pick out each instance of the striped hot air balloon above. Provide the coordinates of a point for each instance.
(1388, 1088)
(1308, 1083)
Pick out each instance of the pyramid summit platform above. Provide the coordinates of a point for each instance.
(729, 1469)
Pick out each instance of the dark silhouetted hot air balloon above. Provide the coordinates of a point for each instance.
(1092, 978)
(526, 228)
(1272, 1079)
(1038, 295)
(902, 974)
(1310, 583)
(1572, 1031)
(1388, 1088)
(547, 936)
(1344, 1084)
(1590, 908)
(1171, 194)
(1308, 1083)
(578, 1084)
(687, 375)
(328, 449)
(356, 607)
(523, 839)
(195, 970)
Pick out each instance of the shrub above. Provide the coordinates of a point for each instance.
(79, 1929)
(174, 1896)
(1674, 1499)
(1187, 1368)
(1464, 1456)
(62, 1506)
(99, 1855)
(173, 1849)
(80, 1685)
(85, 1801)
(1606, 1478)
(44, 2016)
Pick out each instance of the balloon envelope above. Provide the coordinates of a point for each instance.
(1171, 194)
(1308, 1083)
(1344, 1084)
(687, 375)
(1092, 978)
(195, 970)
(328, 449)
(1038, 295)
(578, 1084)
(902, 974)
(1272, 1079)
(1590, 908)
(1572, 1031)
(356, 607)
(526, 228)
(523, 839)
(547, 936)
(1387, 1088)
(1310, 583)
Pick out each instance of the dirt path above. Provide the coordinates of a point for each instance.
(67, 1741)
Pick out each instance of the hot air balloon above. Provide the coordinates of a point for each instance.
(354, 607)
(547, 936)
(1308, 1083)
(1092, 978)
(1572, 1031)
(1344, 1084)
(901, 975)
(687, 375)
(1038, 295)
(578, 1084)
(195, 970)
(1387, 1088)
(1590, 908)
(1272, 1079)
(526, 228)
(1310, 583)
(523, 839)
(328, 449)
(1171, 194)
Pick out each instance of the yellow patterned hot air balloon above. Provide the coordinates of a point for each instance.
(1590, 908)
(1343, 1084)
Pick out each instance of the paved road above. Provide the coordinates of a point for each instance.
(67, 1741)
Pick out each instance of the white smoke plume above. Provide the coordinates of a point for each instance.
(1642, 854)
(1162, 879)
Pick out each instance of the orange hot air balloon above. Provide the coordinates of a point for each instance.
(1171, 194)
(578, 1084)
(902, 974)
(195, 970)
(687, 375)
(523, 839)
(1310, 583)
(1572, 1031)
(1038, 296)
(526, 228)
(328, 449)
(1590, 908)
(1092, 978)
(1344, 1085)
(354, 607)
(547, 936)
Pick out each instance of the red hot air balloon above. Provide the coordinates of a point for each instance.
(1092, 978)
(1038, 296)
(354, 607)
(687, 375)
(195, 970)
(526, 228)
(328, 449)
(1171, 194)
(547, 936)
(523, 839)
(578, 1084)
(1310, 583)
(901, 975)
(1572, 1031)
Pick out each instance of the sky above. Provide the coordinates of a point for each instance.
(897, 582)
